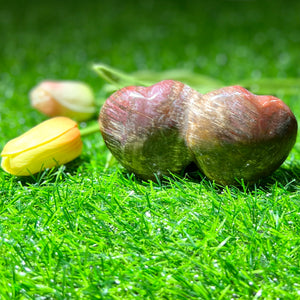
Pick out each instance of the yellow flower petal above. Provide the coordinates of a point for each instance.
(51, 143)
(38, 135)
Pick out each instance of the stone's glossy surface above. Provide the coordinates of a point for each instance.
(230, 133)
(236, 135)
(143, 127)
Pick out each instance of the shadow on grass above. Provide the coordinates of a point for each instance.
(191, 174)
(287, 178)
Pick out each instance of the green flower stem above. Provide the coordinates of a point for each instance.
(89, 129)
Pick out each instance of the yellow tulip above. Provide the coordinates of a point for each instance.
(51, 143)
(67, 98)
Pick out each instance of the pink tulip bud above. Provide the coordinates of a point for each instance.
(71, 99)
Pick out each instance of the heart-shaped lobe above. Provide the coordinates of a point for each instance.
(143, 127)
(236, 135)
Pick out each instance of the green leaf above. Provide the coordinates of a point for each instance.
(117, 79)
(114, 77)
(199, 82)
(273, 86)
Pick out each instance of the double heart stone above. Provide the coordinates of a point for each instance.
(230, 133)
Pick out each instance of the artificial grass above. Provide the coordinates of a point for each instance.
(91, 231)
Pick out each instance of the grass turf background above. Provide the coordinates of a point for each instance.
(83, 231)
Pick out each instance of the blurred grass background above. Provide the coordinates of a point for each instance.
(74, 233)
(228, 40)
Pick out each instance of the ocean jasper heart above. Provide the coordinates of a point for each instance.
(234, 134)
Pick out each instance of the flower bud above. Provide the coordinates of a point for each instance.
(51, 143)
(71, 99)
